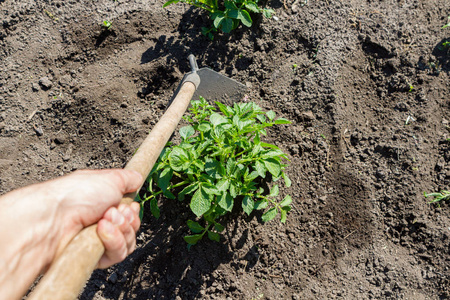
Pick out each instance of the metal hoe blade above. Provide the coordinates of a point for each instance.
(215, 86)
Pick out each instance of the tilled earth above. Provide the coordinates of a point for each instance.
(369, 100)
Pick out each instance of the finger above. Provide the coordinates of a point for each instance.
(116, 249)
(127, 221)
(134, 209)
(127, 229)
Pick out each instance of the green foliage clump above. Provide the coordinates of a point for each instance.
(221, 160)
(226, 15)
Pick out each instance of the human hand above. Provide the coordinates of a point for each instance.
(92, 196)
(38, 221)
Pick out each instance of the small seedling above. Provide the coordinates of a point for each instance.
(411, 87)
(437, 197)
(107, 25)
(448, 24)
(226, 16)
(52, 16)
(221, 160)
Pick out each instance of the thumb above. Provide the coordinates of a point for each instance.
(127, 181)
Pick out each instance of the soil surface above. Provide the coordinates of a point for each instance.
(370, 103)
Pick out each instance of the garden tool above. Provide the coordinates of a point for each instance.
(69, 272)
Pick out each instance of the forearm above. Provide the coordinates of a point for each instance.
(27, 241)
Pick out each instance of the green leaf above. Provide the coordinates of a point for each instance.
(272, 153)
(194, 226)
(261, 204)
(217, 119)
(218, 227)
(248, 204)
(269, 215)
(230, 5)
(178, 158)
(211, 189)
(223, 184)
(282, 121)
(227, 25)
(231, 165)
(268, 13)
(283, 216)
(154, 208)
(169, 194)
(233, 190)
(213, 168)
(269, 146)
(287, 180)
(274, 191)
(245, 18)
(193, 239)
(170, 2)
(286, 201)
(218, 19)
(164, 178)
(252, 6)
(270, 114)
(214, 236)
(223, 108)
(186, 131)
(204, 127)
(188, 190)
(273, 166)
(252, 176)
(200, 202)
(260, 168)
(226, 201)
(261, 118)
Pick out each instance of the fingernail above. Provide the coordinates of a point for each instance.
(108, 231)
(129, 215)
(117, 217)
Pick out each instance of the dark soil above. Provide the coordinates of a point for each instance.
(73, 96)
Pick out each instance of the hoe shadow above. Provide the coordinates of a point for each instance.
(162, 267)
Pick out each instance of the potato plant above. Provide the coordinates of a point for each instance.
(221, 161)
(226, 15)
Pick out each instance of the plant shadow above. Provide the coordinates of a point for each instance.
(442, 53)
(188, 39)
(162, 267)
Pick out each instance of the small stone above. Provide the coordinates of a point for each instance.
(65, 80)
(38, 129)
(402, 106)
(35, 87)
(45, 83)
(112, 278)
(68, 154)
(308, 116)
(60, 139)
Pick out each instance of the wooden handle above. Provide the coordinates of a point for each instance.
(70, 271)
